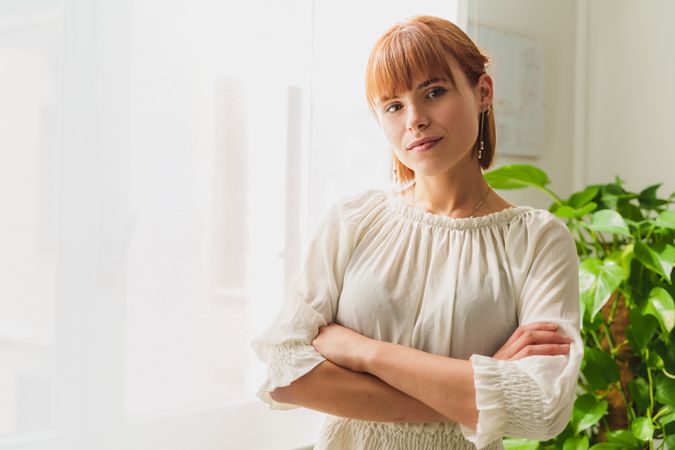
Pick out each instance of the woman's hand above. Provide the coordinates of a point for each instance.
(539, 338)
(343, 346)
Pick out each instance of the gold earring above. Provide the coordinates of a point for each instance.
(482, 144)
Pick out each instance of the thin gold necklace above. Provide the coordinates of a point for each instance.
(474, 208)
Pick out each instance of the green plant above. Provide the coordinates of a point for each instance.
(626, 389)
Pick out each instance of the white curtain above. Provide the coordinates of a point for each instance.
(162, 165)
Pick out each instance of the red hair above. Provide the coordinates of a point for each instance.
(424, 46)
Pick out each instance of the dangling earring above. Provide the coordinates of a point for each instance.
(482, 144)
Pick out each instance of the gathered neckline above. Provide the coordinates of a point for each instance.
(402, 208)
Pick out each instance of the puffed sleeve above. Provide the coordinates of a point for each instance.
(286, 345)
(533, 397)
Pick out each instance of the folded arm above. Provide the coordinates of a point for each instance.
(336, 390)
(444, 384)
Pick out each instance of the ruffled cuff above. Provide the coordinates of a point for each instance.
(509, 402)
(285, 363)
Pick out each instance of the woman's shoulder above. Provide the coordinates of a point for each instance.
(546, 220)
(538, 230)
(358, 198)
(365, 206)
(362, 204)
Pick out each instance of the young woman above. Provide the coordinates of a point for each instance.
(437, 315)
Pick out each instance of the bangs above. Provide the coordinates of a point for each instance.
(401, 57)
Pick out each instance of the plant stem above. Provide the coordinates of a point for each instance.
(586, 242)
(651, 386)
(660, 413)
(599, 244)
(549, 192)
(595, 338)
(608, 335)
(620, 345)
(575, 227)
(630, 414)
(649, 233)
(612, 312)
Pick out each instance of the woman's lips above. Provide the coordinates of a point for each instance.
(426, 146)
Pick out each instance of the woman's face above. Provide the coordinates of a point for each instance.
(448, 114)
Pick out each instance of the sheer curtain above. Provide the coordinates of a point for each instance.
(162, 166)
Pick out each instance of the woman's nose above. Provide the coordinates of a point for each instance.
(416, 119)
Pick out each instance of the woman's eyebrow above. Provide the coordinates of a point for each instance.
(421, 86)
(429, 81)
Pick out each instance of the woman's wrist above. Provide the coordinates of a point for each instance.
(370, 354)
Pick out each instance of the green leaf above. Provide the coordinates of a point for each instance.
(626, 256)
(630, 212)
(650, 192)
(642, 428)
(566, 211)
(641, 329)
(587, 412)
(658, 258)
(654, 361)
(520, 444)
(666, 352)
(616, 257)
(576, 443)
(639, 392)
(670, 442)
(563, 211)
(516, 176)
(612, 193)
(648, 196)
(599, 368)
(597, 280)
(665, 390)
(623, 437)
(666, 220)
(608, 446)
(667, 418)
(587, 209)
(660, 305)
(579, 199)
(610, 221)
(668, 415)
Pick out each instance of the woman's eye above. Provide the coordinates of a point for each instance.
(437, 92)
(389, 108)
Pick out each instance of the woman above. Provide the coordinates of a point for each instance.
(437, 315)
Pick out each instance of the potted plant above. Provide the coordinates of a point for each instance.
(625, 241)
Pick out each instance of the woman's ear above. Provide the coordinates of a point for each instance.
(485, 90)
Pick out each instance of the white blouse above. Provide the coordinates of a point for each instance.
(457, 287)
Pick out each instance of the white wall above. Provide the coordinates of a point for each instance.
(553, 24)
(631, 68)
(616, 57)
(155, 171)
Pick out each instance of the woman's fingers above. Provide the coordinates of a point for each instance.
(536, 326)
(542, 349)
(534, 339)
(541, 337)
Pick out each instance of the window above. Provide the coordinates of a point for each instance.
(163, 165)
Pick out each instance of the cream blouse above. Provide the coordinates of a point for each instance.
(457, 287)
